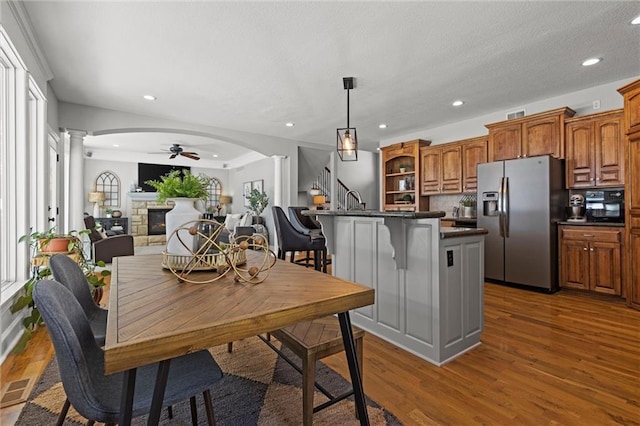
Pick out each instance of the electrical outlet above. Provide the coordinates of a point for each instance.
(596, 104)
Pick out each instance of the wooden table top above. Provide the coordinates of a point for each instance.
(154, 317)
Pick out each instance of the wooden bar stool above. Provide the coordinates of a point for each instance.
(312, 341)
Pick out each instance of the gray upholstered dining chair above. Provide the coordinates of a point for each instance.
(93, 394)
(68, 273)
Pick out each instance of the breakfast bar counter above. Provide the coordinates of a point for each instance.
(428, 281)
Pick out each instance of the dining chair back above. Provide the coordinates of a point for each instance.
(93, 394)
(69, 274)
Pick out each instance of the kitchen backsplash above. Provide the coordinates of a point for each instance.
(445, 203)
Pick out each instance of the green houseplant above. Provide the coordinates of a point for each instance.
(181, 184)
(42, 242)
(258, 201)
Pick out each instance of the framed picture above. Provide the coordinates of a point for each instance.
(246, 190)
(257, 184)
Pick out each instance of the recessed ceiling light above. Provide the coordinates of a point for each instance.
(457, 103)
(116, 145)
(591, 61)
(290, 124)
(215, 155)
(636, 21)
(382, 126)
(149, 97)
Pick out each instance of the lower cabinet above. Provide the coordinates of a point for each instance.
(591, 258)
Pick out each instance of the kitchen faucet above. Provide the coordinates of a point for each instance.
(357, 194)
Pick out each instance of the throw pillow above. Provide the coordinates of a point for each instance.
(232, 220)
(246, 220)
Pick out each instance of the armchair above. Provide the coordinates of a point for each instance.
(106, 248)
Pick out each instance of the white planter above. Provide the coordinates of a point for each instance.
(182, 212)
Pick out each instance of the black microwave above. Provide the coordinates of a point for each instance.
(605, 206)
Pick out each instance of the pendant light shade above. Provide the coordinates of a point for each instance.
(347, 142)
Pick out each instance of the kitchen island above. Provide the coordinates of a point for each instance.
(428, 281)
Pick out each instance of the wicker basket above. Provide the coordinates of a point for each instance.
(205, 262)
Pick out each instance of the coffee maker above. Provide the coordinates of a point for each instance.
(577, 209)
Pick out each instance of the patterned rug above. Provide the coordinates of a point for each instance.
(258, 388)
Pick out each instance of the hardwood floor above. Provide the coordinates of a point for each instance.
(570, 358)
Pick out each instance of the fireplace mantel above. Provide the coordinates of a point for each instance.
(143, 196)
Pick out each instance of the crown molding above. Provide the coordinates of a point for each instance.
(24, 22)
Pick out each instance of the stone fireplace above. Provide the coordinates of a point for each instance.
(144, 205)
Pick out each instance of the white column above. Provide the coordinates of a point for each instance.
(333, 166)
(76, 179)
(279, 183)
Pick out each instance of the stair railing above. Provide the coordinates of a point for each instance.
(323, 183)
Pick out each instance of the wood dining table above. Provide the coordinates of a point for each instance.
(154, 317)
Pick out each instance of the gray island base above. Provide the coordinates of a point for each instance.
(428, 280)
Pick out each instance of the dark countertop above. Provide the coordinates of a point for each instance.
(461, 232)
(461, 219)
(374, 213)
(609, 224)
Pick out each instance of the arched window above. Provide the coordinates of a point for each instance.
(109, 183)
(214, 190)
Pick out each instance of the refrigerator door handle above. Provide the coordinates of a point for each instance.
(505, 206)
(501, 207)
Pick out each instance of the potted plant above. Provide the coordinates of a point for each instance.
(74, 247)
(468, 207)
(108, 212)
(258, 201)
(403, 167)
(183, 188)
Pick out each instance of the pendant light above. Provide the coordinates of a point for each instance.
(347, 137)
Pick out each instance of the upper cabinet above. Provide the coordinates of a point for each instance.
(441, 169)
(401, 177)
(528, 136)
(474, 152)
(595, 150)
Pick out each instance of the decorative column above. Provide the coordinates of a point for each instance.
(76, 180)
(279, 183)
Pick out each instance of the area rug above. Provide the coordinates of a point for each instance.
(258, 388)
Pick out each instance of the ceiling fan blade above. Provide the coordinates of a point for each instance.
(192, 155)
(172, 156)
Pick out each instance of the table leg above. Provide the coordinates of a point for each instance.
(126, 398)
(158, 392)
(354, 370)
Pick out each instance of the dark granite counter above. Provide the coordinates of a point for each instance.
(374, 213)
(609, 224)
(461, 232)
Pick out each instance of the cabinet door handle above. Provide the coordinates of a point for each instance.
(591, 249)
(587, 235)
(597, 179)
(584, 248)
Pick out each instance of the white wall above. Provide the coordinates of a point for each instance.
(580, 101)
(362, 175)
(128, 173)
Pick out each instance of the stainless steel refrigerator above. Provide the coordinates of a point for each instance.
(519, 203)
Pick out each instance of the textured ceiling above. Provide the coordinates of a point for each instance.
(252, 66)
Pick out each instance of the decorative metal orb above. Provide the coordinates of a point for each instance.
(214, 255)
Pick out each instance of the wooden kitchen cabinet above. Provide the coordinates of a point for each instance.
(528, 136)
(474, 152)
(441, 169)
(631, 94)
(401, 185)
(594, 150)
(591, 258)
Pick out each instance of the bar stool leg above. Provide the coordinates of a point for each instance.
(308, 388)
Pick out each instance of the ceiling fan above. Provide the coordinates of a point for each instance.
(176, 150)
